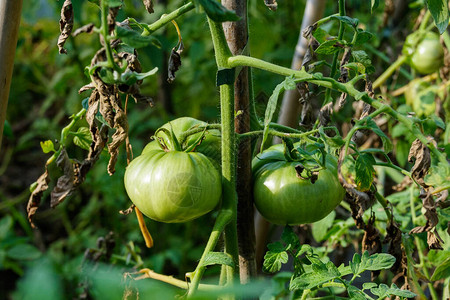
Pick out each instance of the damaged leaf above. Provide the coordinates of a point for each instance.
(148, 6)
(65, 25)
(65, 184)
(420, 155)
(88, 28)
(174, 63)
(40, 186)
(271, 4)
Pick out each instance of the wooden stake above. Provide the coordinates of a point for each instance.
(10, 11)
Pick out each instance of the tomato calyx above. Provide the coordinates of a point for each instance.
(173, 144)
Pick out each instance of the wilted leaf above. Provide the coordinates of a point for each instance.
(88, 28)
(65, 184)
(148, 6)
(65, 25)
(271, 4)
(119, 137)
(36, 196)
(174, 63)
(419, 154)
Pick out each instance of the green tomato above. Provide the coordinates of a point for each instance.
(282, 197)
(428, 57)
(421, 97)
(210, 146)
(173, 187)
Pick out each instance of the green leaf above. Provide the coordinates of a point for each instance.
(387, 144)
(218, 258)
(373, 5)
(272, 106)
(352, 22)
(274, 258)
(375, 262)
(290, 238)
(363, 37)
(357, 67)
(368, 285)
(364, 171)
(334, 142)
(442, 271)
(48, 146)
(217, 12)
(362, 57)
(320, 35)
(329, 47)
(439, 11)
(355, 263)
(23, 252)
(320, 229)
(134, 38)
(438, 177)
(7, 130)
(321, 274)
(82, 138)
(131, 77)
(383, 291)
(355, 293)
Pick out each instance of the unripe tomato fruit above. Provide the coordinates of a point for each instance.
(429, 54)
(174, 186)
(210, 146)
(285, 199)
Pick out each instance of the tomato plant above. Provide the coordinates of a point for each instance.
(285, 193)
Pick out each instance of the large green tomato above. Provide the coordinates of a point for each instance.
(210, 146)
(282, 197)
(429, 54)
(173, 186)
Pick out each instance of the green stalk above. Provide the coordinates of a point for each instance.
(336, 54)
(149, 29)
(222, 220)
(389, 71)
(105, 33)
(229, 200)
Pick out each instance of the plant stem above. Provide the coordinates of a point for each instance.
(224, 217)
(336, 54)
(149, 29)
(105, 33)
(389, 71)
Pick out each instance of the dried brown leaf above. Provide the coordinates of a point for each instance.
(65, 184)
(345, 59)
(325, 114)
(271, 4)
(86, 87)
(36, 196)
(119, 137)
(148, 6)
(420, 155)
(174, 63)
(88, 28)
(65, 25)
